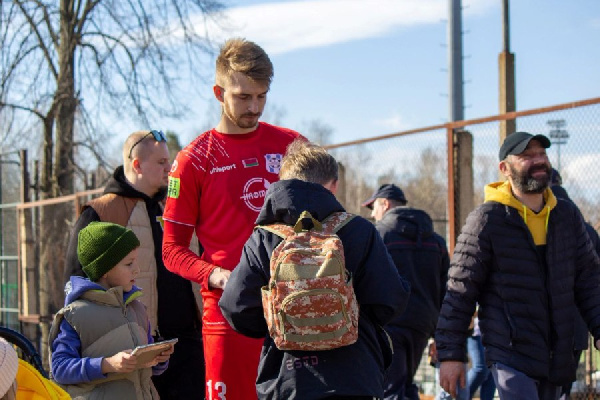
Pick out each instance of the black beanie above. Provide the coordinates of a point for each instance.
(102, 245)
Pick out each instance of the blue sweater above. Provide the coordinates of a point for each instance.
(68, 367)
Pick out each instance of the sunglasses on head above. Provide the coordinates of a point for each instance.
(158, 136)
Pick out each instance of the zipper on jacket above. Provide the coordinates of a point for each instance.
(547, 282)
(133, 337)
(544, 272)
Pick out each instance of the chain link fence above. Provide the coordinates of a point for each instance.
(9, 197)
(417, 161)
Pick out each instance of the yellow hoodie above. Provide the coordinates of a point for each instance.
(537, 223)
(31, 385)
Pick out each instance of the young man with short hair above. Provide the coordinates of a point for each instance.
(216, 188)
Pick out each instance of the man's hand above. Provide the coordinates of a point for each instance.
(451, 373)
(218, 278)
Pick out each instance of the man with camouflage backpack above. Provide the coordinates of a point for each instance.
(288, 369)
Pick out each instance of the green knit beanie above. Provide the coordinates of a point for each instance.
(102, 245)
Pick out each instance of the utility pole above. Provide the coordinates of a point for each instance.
(455, 61)
(558, 136)
(506, 69)
(460, 141)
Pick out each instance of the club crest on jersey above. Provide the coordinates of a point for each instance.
(273, 162)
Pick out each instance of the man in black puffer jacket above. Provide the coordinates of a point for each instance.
(421, 257)
(527, 259)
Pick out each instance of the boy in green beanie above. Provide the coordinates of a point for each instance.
(93, 335)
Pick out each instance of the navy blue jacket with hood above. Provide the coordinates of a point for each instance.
(422, 258)
(355, 370)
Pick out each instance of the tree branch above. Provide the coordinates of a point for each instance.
(22, 108)
(34, 28)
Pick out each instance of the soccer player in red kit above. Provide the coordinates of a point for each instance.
(217, 186)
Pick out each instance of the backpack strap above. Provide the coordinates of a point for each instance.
(336, 221)
(281, 230)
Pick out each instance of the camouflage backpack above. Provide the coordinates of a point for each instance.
(309, 302)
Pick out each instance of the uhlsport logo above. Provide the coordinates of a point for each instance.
(222, 169)
(273, 162)
(254, 193)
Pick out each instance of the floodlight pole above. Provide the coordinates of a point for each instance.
(455, 62)
(506, 69)
(558, 136)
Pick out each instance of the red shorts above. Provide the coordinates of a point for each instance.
(231, 359)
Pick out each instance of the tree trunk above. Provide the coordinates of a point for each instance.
(46, 231)
(66, 101)
(60, 182)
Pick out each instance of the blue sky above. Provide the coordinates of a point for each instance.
(369, 68)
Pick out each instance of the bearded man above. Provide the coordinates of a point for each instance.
(527, 259)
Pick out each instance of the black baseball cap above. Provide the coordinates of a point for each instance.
(386, 191)
(517, 142)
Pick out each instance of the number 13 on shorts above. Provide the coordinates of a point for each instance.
(216, 392)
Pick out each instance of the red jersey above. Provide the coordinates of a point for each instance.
(218, 184)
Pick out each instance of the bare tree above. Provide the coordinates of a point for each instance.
(67, 64)
(173, 144)
(487, 172)
(426, 187)
(355, 181)
(274, 114)
(317, 131)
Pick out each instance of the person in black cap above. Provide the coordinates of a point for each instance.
(421, 257)
(527, 260)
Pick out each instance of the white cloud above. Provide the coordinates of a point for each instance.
(393, 123)
(583, 171)
(289, 26)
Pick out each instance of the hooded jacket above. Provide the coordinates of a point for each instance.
(527, 271)
(380, 291)
(96, 323)
(168, 297)
(422, 258)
